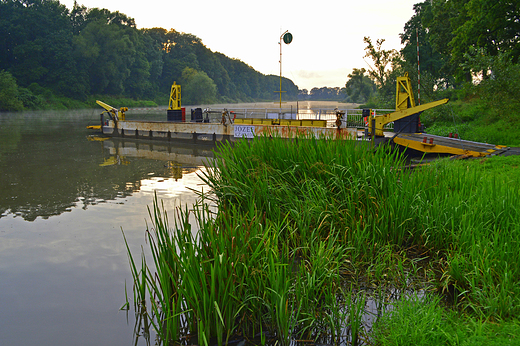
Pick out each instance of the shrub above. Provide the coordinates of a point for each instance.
(9, 93)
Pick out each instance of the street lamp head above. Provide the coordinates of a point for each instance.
(287, 38)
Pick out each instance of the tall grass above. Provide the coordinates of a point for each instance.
(458, 214)
(231, 277)
(303, 225)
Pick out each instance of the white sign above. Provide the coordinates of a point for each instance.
(246, 131)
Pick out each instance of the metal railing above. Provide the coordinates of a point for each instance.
(353, 118)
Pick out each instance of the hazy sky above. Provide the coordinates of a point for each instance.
(327, 34)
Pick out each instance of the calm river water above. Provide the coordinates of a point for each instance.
(64, 200)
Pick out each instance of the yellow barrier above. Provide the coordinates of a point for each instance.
(243, 121)
(285, 122)
(261, 121)
(314, 123)
(319, 123)
(282, 122)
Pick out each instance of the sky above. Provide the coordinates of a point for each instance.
(327, 34)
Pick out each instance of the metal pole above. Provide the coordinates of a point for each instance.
(418, 69)
(280, 43)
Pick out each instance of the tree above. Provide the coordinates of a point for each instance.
(489, 25)
(87, 51)
(501, 90)
(436, 69)
(303, 94)
(150, 57)
(9, 93)
(359, 88)
(326, 93)
(439, 21)
(106, 52)
(198, 88)
(35, 44)
(381, 60)
(78, 18)
(387, 66)
(451, 30)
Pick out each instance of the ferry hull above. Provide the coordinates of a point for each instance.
(214, 132)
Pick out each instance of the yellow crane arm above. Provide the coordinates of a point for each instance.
(382, 120)
(106, 106)
(118, 114)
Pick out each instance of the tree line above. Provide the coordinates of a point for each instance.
(47, 51)
(467, 48)
(322, 94)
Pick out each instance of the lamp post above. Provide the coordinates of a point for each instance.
(287, 38)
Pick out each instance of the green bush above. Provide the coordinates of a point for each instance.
(30, 100)
(9, 93)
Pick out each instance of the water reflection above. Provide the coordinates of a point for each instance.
(63, 261)
(50, 174)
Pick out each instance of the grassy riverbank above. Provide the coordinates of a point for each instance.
(476, 120)
(309, 234)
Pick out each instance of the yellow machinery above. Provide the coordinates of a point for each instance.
(175, 112)
(405, 107)
(114, 114)
(175, 97)
(408, 134)
(112, 111)
(404, 94)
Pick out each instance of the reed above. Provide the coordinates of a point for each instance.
(298, 219)
(449, 211)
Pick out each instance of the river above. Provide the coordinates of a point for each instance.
(65, 198)
(64, 201)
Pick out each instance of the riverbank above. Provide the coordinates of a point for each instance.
(476, 120)
(310, 234)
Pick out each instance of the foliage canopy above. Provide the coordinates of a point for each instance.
(85, 51)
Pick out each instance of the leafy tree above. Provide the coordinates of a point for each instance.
(107, 17)
(326, 93)
(106, 52)
(387, 67)
(198, 87)
(501, 90)
(97, 51)
(9, 93)
(35, 44)
(436, 69)
(187, 74)
(78, 18)
(179, 53)
(303, 94)
(455, 27)
(154, 55)
(146, 69)
(439, 20)
(209, 63)
(382, 60)
(359, 87)
(491, 25)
